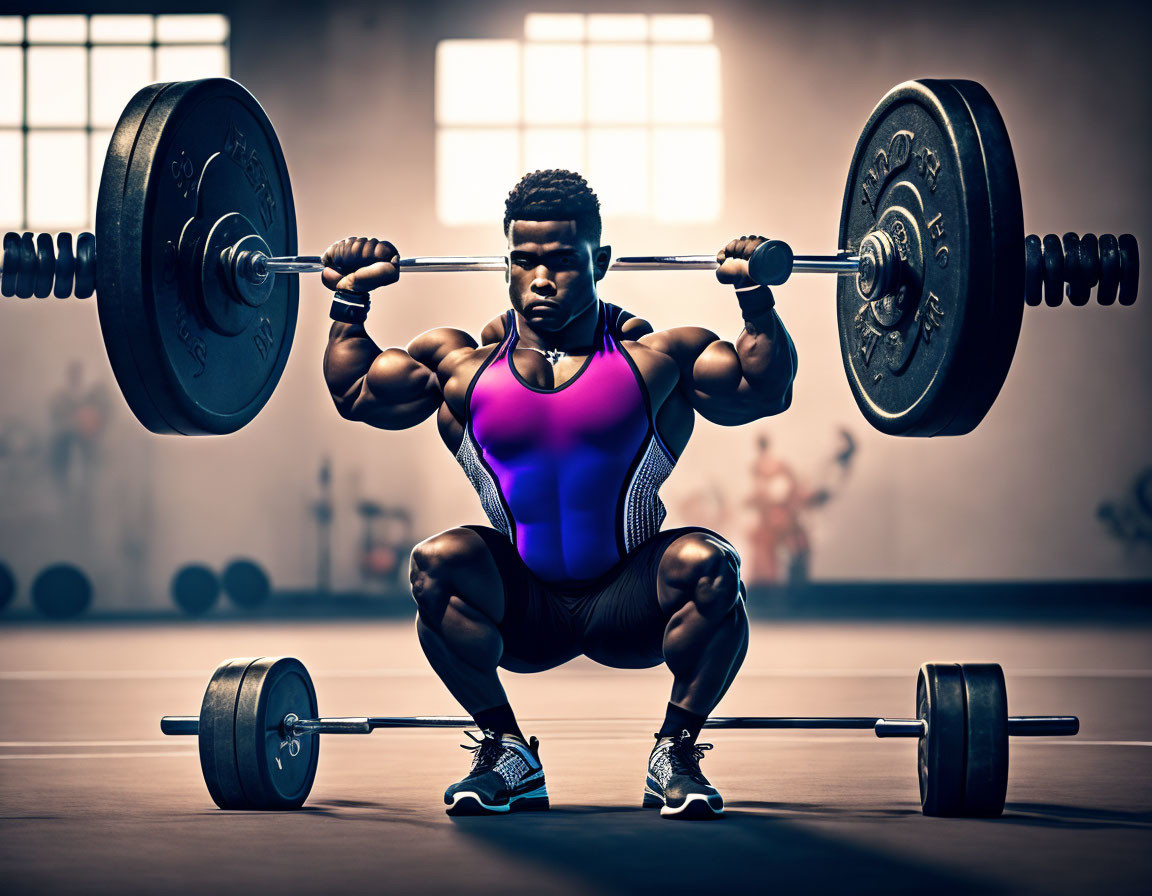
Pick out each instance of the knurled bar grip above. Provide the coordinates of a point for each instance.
(801, 264)
(1018, 726)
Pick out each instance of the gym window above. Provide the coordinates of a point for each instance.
(64, 80)
(630, 101)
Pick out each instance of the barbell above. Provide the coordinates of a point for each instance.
(259, 726)
(195, 248)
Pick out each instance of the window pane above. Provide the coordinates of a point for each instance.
(475, 169)
(553, 148)
(687, 173)
(12, 180)
(618, 169)
(478, 82)
(618, 84)
(122, 29)
(11, 29)
(190, 63)
(97, 150)
(11, 85)
(57, 85)
(540, 26)
(72, 29)
(57, 179)
(192, 29)
(674, 28)
(553, 83)
(617, 27)
(117, 73)
(686, 84)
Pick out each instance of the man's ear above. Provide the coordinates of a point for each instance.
(601, 258)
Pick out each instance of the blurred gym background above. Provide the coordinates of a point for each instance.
(695, 123)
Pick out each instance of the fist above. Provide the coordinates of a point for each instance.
(733, 261)
(360, 264)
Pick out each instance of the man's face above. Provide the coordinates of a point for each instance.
(553, 274)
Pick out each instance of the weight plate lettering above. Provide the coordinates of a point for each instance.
(934, 169)
(276, 768)
(183, 151)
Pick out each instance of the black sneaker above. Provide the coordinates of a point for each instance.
(675, 782)
(506, 776)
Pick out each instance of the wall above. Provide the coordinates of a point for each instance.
(349, 88)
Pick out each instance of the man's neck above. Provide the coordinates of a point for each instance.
(576, 338)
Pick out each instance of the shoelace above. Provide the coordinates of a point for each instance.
(486, 750)
(686, 757)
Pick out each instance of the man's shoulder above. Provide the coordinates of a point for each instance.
(495, 330)
(626, 324)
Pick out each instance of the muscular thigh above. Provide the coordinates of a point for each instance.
(623, 624)
(538, 633)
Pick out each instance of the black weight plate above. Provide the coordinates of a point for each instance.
(276, 771)
(940, 753)
(65, 266)
(217, 735)
(85, 266)
(61, 591)
(45, 266)
(1033, 270)
(181, 150)
(11, 264)
(1078, 289)
(7, 585)
(1090, 259)
(938, 151)
(1053, 270)
(195, 589)
(1129, 268)
(26, 271)
(986, 741)
(246, 583)
(1109, 269)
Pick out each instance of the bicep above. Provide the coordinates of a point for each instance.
(402, 387)
(711, 375)
(396, 393)
(685, 346)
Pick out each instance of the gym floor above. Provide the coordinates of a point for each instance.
(94, 799)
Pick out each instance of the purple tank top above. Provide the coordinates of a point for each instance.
(571, 475)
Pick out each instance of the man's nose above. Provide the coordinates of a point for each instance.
(543, 281)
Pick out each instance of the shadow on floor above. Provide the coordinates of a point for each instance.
(1050, 815)
(617, 849)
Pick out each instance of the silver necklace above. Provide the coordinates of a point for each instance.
(554, 355)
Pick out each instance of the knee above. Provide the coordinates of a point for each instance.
(704, 570)
(438, 566)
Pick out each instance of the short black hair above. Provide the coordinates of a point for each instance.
(555, 195)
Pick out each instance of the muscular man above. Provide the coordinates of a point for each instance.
(567, 419)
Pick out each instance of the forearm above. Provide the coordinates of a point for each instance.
(765, 351)
(347, 360)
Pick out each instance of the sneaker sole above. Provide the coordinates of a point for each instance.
(469, 803)
(696, 806)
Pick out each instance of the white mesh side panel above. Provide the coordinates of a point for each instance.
(512, 768)
(643, 509)
(485, 487)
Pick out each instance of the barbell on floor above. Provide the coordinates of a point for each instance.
(259, 726)
(195, 218)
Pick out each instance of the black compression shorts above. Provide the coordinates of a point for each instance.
(614, 619)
